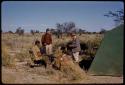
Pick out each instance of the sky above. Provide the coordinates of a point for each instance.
(39, 15)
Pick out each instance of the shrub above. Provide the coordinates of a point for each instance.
(21, 56)
(7, 60)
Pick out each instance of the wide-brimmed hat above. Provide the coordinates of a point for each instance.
(73, 34)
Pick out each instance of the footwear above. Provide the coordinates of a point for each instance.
(31, 66)
(76, 61)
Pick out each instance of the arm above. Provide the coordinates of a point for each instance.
(76, 44)
(73, 46)
(43, 40)
(51, 38)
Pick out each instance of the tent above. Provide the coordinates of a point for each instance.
(109, 57)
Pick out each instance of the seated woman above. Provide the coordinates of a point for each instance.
(36, 55)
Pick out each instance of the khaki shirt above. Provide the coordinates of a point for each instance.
(76, 45)
(36, 52)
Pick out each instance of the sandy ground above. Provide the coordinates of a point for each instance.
(21, 74)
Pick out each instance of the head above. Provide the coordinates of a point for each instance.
(48, 31)
(37, 42)
(73, 36)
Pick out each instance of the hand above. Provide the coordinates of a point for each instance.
(39, 54)
(44, 43)
(70, 45)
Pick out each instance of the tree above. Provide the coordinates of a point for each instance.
(102, 31)
(70, 27)
(81, 31)
(59, 30)
(59, 27)
(117, 15)
(66, 27)
(10, 32)
(32, 32)
(37, 31)
(53, 31)
(19, 31)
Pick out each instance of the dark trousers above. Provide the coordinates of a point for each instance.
(41, 62)
(43, 50)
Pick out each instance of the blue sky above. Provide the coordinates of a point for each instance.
(39, 15)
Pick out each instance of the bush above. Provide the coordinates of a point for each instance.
(19, 31)
(7, 60)
(22, 56)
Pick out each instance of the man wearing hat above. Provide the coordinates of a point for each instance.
(47, 42)
(75, 45)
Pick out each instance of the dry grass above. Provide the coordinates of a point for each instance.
(16, 43)
(21, 45)
(69, 70)
(73, 71)
(7, 59)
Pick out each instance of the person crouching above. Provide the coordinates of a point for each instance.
(37, 56)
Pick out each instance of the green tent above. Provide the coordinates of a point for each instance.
(109, 57)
